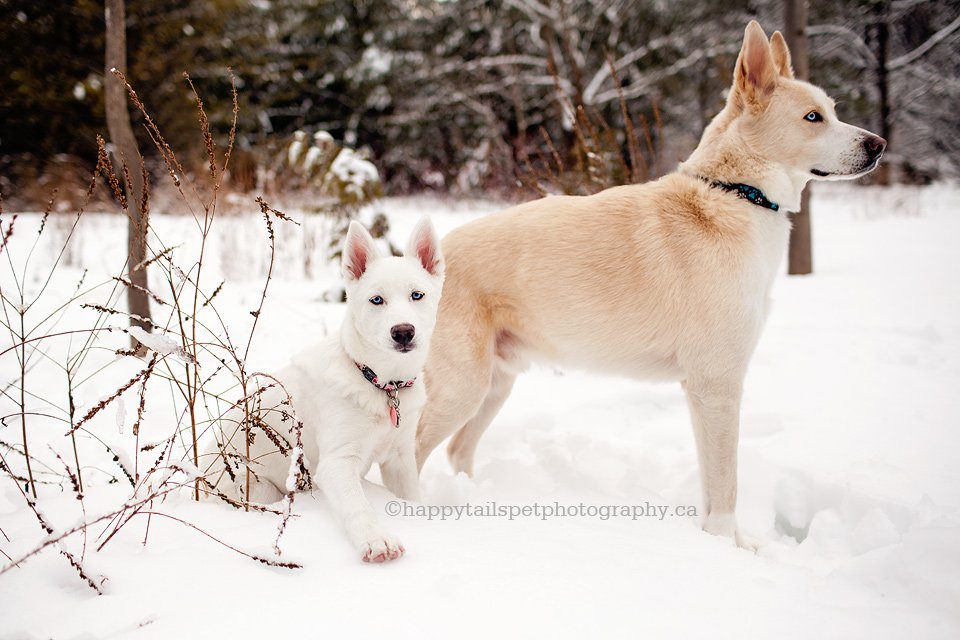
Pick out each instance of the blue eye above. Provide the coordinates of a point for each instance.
(813, 116)
(376, 300)
(416, 295)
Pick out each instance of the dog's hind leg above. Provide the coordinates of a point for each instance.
(715, 412)
(458, 380)
(463, 445)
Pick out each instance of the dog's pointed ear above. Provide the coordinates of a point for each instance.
(781, 55)
(359, 251)
(424, 244)
(755, 77)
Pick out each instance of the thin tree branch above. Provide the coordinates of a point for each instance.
(639, 86)
(934, 40)
(849, 36)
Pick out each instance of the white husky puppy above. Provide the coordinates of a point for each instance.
(358, 393)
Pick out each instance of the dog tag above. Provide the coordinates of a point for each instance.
(394, 401)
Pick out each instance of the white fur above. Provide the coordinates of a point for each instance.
(346, 419)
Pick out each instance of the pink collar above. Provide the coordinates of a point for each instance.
(391, 387)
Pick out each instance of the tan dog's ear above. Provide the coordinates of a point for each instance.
(424, 244)
(781, 55)
(755, 77)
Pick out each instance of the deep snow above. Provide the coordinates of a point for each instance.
(848, 471)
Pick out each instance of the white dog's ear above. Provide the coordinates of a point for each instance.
(781, 55)
(359, 251)
(424, 244)
(756, 74)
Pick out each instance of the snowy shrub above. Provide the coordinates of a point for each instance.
(342, 178)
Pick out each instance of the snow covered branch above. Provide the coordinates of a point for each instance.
(848, 36)
(603, 73)
(491, 62)
(534, 10)
(916, 54)
(639, 86)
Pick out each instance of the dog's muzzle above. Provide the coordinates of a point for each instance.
(403, 335)
(874, 146)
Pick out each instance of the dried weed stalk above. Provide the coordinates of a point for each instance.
(595, 156)
(190, 353)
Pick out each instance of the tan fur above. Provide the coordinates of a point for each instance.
(781, 55)
(668, 280)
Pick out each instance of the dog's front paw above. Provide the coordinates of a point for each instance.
(725, 524)
(747, 542)
(721, 524)
(381, 548)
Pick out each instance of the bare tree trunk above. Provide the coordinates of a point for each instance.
(516, 97)
(125, 148)
(881, 39)
(800, 256)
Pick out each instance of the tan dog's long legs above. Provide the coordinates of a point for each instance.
(463, 445)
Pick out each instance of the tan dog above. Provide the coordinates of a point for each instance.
(668, 280)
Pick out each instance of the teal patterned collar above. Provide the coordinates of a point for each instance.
(745, 191)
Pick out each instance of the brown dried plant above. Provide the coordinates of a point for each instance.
(596, 155)
(190, 351)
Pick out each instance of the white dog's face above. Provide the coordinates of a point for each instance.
(393, 300)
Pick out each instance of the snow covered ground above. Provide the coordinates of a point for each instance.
(848, 471)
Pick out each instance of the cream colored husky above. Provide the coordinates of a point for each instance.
(668, 280)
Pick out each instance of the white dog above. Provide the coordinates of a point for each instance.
(358, 393)
(668, 280)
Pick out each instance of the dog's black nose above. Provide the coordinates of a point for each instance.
(874, 146)
(402, 334)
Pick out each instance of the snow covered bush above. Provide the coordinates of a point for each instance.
(343, 178)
